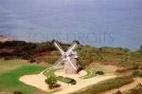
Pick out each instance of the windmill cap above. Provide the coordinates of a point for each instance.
(75, 41)
(54, 41)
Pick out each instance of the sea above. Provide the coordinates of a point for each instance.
(100, 23)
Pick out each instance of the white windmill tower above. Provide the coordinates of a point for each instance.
(67, 58)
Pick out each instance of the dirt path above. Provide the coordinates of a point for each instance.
(125, 87)
(38, 81)
(81, 83)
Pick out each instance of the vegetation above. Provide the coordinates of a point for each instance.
(93, 69)
(100, 72)
(49, 71)
(52, 82)
(24, 50)
(17, 92)
(137, 73)
(108, 55)
(88, 54)
(67, 80)
(10, 73)
(105, 85)
(135, 90)
(53, 78)
(92, 59)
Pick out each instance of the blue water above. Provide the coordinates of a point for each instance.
(115, 23)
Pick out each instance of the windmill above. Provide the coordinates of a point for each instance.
(67, 58)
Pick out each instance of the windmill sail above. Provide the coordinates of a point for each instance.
(68, 58)
(59, 48)
(71, 48)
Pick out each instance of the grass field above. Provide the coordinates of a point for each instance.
(11, 70)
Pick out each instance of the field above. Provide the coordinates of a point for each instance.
(11, 70)
(19, 59)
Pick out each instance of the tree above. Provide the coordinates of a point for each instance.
(141, 47)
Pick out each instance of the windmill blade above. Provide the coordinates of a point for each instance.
(59, 48)
(59, 62)
(69, 60)
(71, 48)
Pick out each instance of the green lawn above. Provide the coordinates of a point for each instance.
(11, 72)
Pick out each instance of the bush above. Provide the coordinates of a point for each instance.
(67, 80)
(137, 73)
(52, 82)
(17, 92)
(32, 60)
(100, 72)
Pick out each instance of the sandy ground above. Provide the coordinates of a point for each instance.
(38, 81)
(81, 83)
(125, 87)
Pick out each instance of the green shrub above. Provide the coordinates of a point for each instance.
(52, 82)
(17, 92)
(100, 72)
(66, 80)
(137, 73)
(32, 60)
